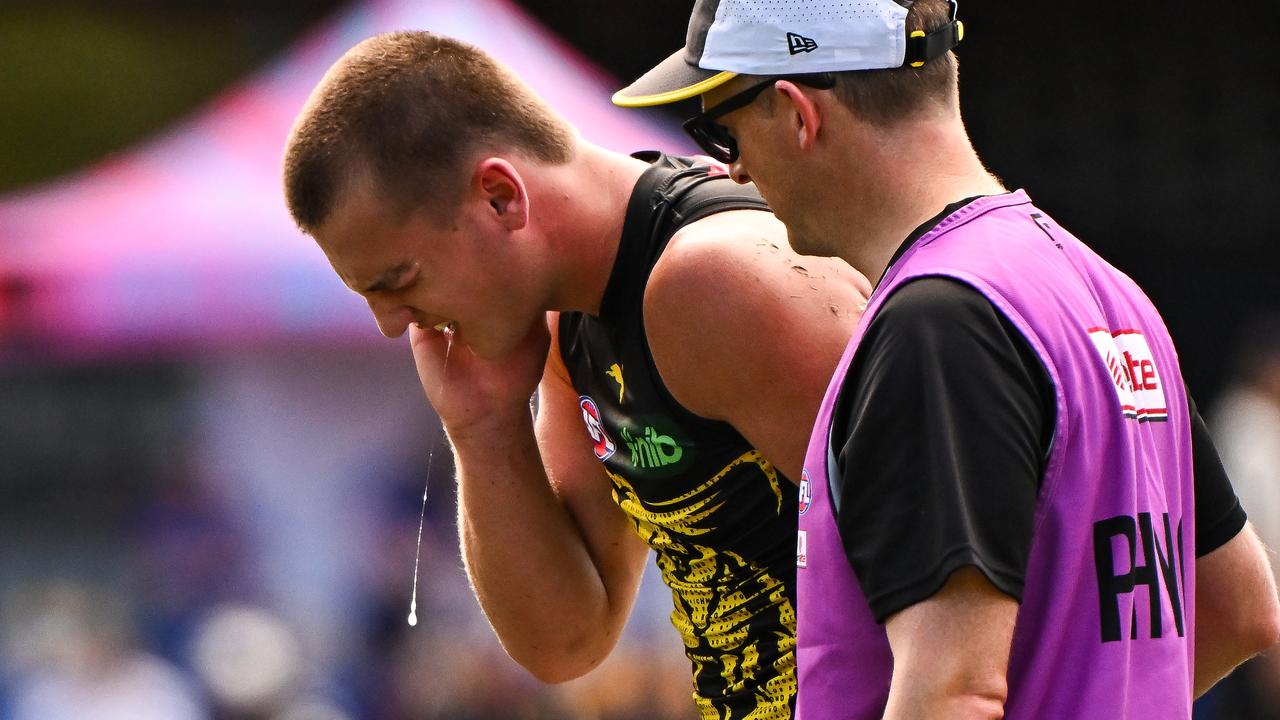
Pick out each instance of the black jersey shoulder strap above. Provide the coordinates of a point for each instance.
(672, 193)
(691, 189)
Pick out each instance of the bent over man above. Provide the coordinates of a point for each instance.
(678, 347)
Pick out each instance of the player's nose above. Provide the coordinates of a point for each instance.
(738, 172)
(393, 319)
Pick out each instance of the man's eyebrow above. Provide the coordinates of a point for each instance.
(387, 278)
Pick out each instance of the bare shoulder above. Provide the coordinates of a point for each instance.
(731, 263)
(737, 258)
(730, 294)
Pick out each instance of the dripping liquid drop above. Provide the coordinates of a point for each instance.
(447, 330)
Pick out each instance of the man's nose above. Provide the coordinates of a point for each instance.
(393, 318)
(738, 172)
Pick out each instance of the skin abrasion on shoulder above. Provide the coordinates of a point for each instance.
(836, 309)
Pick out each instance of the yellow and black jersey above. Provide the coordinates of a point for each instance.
(720, 517)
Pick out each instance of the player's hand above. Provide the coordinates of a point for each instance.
(472, 395)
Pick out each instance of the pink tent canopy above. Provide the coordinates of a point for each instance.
(185, 243)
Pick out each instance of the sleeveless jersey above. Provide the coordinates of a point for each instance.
(1105, 625)
(721, 518)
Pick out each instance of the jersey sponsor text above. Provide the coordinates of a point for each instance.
(652, 449)
(1133, 372)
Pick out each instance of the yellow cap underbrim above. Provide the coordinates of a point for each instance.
(621, 99)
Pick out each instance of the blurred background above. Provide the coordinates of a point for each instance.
(211, 464)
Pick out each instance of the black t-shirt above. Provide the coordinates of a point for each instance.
(941, 434)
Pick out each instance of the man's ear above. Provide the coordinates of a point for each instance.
(806, 116)
(501, 187)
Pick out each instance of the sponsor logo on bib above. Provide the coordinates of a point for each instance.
(1132, 368)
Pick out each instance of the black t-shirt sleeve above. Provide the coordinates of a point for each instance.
(939, 439)
(1219, 515)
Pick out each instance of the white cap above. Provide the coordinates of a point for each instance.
(727, 38)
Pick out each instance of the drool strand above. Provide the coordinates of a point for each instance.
(447, 329)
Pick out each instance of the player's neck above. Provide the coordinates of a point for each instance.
(584, 208)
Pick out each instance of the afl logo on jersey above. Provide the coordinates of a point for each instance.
(806, 491)
(595, 427)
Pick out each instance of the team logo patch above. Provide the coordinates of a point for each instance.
(605, 447)
(806, 492)
(615, 372)
(802, 549)
(1132, 368)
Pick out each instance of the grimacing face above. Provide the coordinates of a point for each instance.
(414, 271)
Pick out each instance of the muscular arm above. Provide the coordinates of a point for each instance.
(951, 652)
(745, 331)
(553, 562)
(1237, 615)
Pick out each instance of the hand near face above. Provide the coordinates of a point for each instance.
(472, 395)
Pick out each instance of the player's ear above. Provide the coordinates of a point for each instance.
(500, 186)
(805, 115)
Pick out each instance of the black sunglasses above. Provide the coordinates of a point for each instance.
(714, 138)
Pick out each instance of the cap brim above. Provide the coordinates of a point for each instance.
(673, 80)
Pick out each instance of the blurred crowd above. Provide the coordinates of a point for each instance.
(251, 564)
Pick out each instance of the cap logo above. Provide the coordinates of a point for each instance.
(800, 44)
